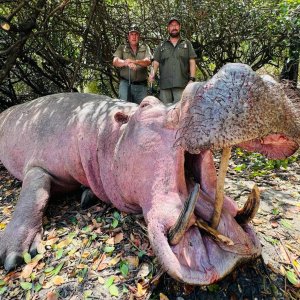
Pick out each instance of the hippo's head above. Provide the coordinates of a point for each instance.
(172, 174)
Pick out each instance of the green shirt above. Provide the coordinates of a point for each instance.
(124, 52)
(174, 66)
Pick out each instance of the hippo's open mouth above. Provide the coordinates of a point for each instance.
(217, 241)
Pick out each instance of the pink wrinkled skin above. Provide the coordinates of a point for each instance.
(145, 159)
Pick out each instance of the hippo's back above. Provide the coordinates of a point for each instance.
(42, 131)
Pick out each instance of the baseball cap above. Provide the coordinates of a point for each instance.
(173, 19)
(133, 28)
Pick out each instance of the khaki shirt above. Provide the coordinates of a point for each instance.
(174, 66)
(124, 52)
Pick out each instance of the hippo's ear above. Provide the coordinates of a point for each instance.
(121, 118)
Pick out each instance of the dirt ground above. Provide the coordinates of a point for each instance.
(101, 253)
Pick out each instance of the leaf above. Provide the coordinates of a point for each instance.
(3, 290)
(51, 241)
(85, 254)
(109, 281)
(5, 26)
(114, 261)
(144, 271)
(26, 285)
(52, 296)
(213, 288)
(27, 257)
(140, 290)
(59, 253)
(101, 280)
(119, 237)
(108, 249)
(64, 243)
(141, 253)
(2, 282)
(28, 270)
(114, 223)
(117, 215)
(55, 271)
(291, 276)
(37, 287)
(6, 211)
(286, 224)
(110, 241)
(87, 294)
(2, 226)
(58, 280)
(49, 269)
(133, 261)
(124, 268)
(114, 290)
(81, 266)
(37, 258)
(163, 297)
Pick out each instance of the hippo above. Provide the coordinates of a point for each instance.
(151, 159)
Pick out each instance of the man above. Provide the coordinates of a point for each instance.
(133, 59)
(175, 58)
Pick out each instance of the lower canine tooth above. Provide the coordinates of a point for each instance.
(247, 213)
(178, 230)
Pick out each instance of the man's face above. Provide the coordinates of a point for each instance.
(133, 38)
(174, 29)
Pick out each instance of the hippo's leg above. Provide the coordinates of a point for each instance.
(24, 231)
(88, 199)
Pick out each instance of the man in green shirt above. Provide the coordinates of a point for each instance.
(133, 59)
(175, 59)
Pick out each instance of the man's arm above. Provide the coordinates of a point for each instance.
(154, 70)
(143, 62)
(118, 62)
(192, 63)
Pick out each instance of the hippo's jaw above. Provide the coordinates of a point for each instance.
(202, 256)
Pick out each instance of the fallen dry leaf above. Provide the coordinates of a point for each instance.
(58, 280)
(133, 261)
(163, 297)
(119, 237)
(28, 269)
(52, 296)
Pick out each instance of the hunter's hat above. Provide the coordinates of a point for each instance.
(134, 28)
(173, 19)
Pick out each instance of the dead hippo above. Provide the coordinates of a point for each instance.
(150, 158)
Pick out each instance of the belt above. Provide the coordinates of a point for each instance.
(144, 82)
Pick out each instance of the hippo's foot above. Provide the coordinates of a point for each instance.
(14, 242)
(88, 199)
(24, 231)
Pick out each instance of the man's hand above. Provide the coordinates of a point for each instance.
(132, 66)
(128, 61)
(151, 78)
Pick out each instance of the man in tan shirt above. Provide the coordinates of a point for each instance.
(133, 59)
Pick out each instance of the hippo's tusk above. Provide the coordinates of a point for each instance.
(220, 187)
(178, 230)
(247, 213)
(214, 233)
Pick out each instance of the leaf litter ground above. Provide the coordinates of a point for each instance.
(101, 253)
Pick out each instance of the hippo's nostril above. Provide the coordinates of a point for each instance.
(178, 230)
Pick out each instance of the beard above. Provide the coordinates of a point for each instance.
(174, 34)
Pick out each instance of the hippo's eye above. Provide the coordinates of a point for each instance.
(144, 104)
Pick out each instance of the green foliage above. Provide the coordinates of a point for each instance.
(259, 165)
(71, 47)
